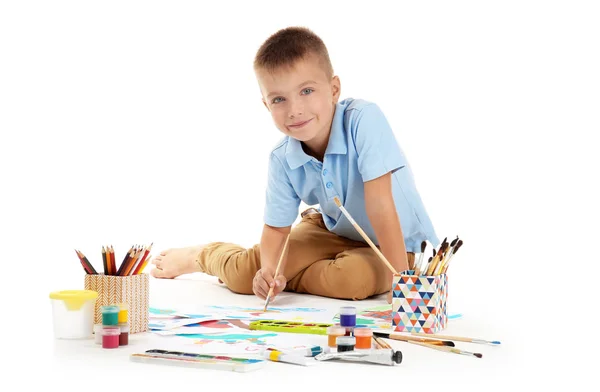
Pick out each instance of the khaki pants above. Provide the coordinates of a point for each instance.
(319, 263)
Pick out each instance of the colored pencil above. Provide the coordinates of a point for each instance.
(365, 236)
(143, 261)
(132, 262)
(89, 268)
(276, 272)
(105, 258)
(125, 261)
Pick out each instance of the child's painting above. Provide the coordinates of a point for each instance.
(236, 312)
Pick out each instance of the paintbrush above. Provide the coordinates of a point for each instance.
(436, 260)
(406, 338)
(382, 343)
(458, 338)
(445, 257)
(364, 235)
(418, 264)
(456, 248)
(449, 349)
(276, 273)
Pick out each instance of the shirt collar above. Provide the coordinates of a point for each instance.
(296, 156)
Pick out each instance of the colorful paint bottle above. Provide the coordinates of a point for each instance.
(348, 316)
(364, 338)
(345, 343)
(110, 315)
(98, 333)
(124, 336)
(333, 333)
(123, 313)
(110, 337)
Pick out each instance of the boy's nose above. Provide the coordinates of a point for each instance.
(296, 110)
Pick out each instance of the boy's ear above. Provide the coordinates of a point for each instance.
(336, 88)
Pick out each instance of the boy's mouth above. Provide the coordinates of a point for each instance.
(299, 124)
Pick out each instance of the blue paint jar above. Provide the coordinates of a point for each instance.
(348, 316)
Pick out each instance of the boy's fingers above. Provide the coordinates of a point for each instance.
(268, 278)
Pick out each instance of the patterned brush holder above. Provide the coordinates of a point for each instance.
(132, 291)
(419, 302)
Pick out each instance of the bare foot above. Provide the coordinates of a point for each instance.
(177, 261)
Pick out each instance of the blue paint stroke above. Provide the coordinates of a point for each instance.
(161, 311)
(260, 310)
(229, 337)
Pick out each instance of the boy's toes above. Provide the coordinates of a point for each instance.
(158, 273)
(164, 252)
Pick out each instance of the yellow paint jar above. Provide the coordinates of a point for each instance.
(123, 313)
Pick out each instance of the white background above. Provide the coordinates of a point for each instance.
(129, 122)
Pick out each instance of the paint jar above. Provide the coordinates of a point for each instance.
(364, 338)
(348, 316)
(73, 313)
(332, 334)
(110, 315)
(345, 343)
(124, 336)
(123, 313)
(98, 333)
(110, 336)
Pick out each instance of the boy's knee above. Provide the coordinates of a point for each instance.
(354, 278)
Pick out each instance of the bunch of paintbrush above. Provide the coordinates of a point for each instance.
(439, 262)
(133, 263)
(437, 342)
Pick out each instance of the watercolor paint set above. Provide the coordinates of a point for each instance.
(201, 361)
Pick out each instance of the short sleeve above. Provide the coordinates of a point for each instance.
(376, 145)
(282, 201)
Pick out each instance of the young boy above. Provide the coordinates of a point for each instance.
(344, 149)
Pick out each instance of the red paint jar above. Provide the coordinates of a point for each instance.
(110, 337)
(124, 336)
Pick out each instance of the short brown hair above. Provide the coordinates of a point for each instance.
(289, 45)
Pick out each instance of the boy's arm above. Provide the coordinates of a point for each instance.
(382, 214)
(271, 245)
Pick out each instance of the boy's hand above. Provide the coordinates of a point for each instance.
(263, 281)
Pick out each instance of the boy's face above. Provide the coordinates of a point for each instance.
(301, 99)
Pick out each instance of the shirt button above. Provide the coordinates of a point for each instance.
(329, 185)
(324, 171)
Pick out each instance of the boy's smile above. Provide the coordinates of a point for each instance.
(301, 99)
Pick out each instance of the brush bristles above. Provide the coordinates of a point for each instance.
(478, 355)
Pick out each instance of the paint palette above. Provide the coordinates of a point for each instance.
(178, 358)
(290, 327)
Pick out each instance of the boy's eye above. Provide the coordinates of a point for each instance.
(276, 100)
(307, 91)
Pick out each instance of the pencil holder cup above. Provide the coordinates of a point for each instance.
(419, 302)
(132, 291)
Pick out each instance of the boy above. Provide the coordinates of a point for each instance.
(331, 148)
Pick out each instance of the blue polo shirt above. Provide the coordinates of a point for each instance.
(361, 147)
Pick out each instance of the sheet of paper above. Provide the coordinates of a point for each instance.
(168, 324)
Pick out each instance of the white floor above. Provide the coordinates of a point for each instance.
(79, 363)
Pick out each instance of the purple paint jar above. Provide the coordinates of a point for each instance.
(348, 316)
